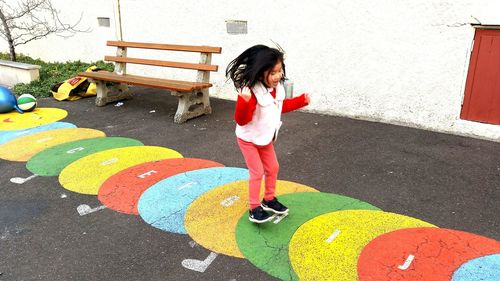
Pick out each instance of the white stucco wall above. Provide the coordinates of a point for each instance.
(400, 62)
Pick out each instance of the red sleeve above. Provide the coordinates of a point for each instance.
(293, 103)
(244, 110)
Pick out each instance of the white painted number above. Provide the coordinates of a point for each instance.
(22, 132)
(230, 201)
(35, 116)
(186, 185)
(407, 262)
(71, 151)
(44, 140)
(279, 218)
(334, 234)
(109, 161)
(142, 176)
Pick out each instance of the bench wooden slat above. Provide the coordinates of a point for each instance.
(204, 67)
(173, 85)
(193, 97)
(171, 47)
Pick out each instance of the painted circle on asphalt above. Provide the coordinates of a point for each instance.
(485, 268)
(52, 161)
(421, 254)
(164, 204)
(328, 246)
(122, 191)
(23, 148)
(266, 245)
(39, 116)
(6, 136)
(211, 219)
(87, 174)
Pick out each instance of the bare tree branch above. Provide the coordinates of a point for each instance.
(31, 20)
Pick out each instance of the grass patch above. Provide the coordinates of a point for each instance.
(51, 73)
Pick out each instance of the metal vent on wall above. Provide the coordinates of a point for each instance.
(103, 22)
(236, 27)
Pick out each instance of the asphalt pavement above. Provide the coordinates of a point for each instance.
(450, 181)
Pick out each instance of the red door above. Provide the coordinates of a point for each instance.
(482, 89)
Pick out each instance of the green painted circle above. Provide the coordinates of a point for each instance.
(51, 161)
(266, 245)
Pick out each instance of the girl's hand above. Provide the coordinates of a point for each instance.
(307, 98)
(245, 93)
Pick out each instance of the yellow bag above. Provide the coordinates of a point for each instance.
(75, 88)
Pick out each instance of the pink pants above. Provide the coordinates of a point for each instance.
(261, 162)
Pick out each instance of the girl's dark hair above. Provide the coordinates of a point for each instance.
(249, 67)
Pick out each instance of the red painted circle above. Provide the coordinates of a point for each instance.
(121, 191)
(437, 253)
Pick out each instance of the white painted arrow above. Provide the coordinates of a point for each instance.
(198, 265)
(85, 209)
(20, 180)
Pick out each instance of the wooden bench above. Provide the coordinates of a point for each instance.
(193, 95)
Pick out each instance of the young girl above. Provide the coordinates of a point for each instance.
(258, 75)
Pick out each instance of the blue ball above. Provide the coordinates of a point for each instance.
(8, 101)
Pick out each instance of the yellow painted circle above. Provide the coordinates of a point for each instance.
(211, 219)
(87, 174)
(23, 148)
(40, 116)
(328, 246)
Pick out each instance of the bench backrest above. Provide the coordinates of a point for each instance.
(203, 67)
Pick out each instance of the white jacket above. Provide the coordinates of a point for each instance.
(266, 119)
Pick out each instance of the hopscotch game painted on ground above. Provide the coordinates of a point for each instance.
(339, 238)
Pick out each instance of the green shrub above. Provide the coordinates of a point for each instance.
(51, 73)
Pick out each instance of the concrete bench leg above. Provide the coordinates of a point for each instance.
(192, 104)
(107, 94)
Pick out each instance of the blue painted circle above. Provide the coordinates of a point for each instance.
(485, 268)
(6, 136)
(164, 204)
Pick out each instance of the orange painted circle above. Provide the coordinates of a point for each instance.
(122, 191)
(421, 254)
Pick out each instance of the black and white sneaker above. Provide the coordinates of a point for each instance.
(274, 206)
(258, 215)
